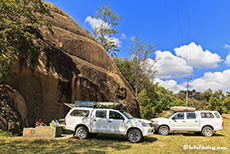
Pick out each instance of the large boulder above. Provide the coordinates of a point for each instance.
(74, 67)
(13, 110)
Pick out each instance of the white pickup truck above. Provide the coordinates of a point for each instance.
(84, 121)
(200, 122)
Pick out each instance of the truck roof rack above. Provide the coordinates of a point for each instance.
(93, 104)
(182, 109)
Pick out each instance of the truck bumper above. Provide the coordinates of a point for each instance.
(148, 131)
(156, 127)
(218, 128)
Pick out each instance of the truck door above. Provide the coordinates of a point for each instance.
(177, 122)
(99, 121)
(192, 121)
(116, 123)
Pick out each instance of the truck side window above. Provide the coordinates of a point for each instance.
(80, 113)
(115, 115)
(207, 115)
(191, 115)
(179, 116)
(101, 113)
(217, 115)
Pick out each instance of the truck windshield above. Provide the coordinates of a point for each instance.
(169, 115)
(127, 115)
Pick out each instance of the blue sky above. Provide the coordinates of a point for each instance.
(192, 36)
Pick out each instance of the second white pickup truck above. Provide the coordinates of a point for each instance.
(84, 121)
(200, 122)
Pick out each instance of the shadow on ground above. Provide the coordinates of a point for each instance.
(120, 138)
(192, 134)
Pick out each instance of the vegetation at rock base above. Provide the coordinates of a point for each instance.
(19, 23)
(105, 31)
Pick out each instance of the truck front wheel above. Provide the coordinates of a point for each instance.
(81, 132)
(163, 130)
(134, 135)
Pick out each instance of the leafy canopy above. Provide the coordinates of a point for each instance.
(140, 53)
(104, 33)
(19, 23)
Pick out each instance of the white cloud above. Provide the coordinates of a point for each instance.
(170, 85)
(197, 57)
(215, 81)
(226, 46)
(169, 65)
(227, 61)
(123, 36)
(93, 22)
(115, 40)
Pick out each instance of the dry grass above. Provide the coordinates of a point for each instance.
(172, 143)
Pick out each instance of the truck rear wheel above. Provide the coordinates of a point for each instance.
(207, 131)
(163, 130)
(134, 135)
(81, 132)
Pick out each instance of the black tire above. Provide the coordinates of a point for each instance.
(134, 135)
(207, 131)
(81, 132)
(198, 133)
(163, 130)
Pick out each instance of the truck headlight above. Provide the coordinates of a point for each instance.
(154, 122)
(144, 124)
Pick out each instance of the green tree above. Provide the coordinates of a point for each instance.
(147, 108)
(126, 68)
(105, 32)
(152, 98)
(179, 99)
(227, 103)
(164, 98)
(140, 53)
(199, 105)
(19, 23)
(206, 95)
(216, 101)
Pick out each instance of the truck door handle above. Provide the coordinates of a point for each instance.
(94, 120)
(183, 121)
(109, 121)
(196, 121)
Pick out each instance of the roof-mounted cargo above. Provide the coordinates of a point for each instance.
(94, 104)
(182, 109)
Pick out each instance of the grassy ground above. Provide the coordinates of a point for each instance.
(172, 143)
